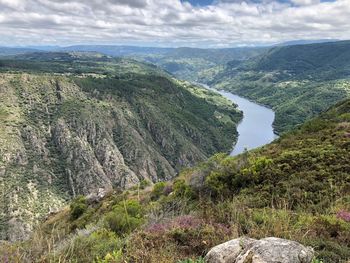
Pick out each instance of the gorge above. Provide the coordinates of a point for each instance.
(255, 129)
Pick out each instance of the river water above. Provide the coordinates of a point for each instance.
(255, 129)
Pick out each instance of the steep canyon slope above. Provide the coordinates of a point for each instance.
(65, 134)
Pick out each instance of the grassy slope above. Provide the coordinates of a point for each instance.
(295, 188)
(298, 82)
(133, 121)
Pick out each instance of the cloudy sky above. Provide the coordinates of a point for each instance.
(203, 23)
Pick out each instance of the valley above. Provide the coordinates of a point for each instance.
(255, 129)
(178, 131)
(114, 159)
(295, 188)
(64, 135)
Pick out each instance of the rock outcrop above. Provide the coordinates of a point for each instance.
(63, 136)
(266, 250)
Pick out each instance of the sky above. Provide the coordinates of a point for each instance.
(197, 23)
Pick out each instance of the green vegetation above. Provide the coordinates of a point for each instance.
(78, 206)
(198, 65)
(84, 124)
(295, 188)
(158, 190)
(198, 260)
(74, 123)
(298, 82)
(125, 217)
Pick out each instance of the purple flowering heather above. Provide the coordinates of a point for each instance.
(187, 222)
(342, 214)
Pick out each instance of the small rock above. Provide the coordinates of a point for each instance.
(96, 196)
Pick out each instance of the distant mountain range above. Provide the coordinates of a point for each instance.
(305, 42)
(125, 50)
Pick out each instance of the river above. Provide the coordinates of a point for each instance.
(255, 129)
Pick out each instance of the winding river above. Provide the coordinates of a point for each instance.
(255, 129)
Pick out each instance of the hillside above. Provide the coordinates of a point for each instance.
(10, 51)
(295, 188)
(199, 65)
(192, 64)
(298, 81)
(329, 59)
(116, 51)
(97, 126)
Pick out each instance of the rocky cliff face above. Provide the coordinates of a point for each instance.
(61, 136)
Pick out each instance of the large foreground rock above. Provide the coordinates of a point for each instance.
(266, 250)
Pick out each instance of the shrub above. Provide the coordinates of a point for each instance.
(216, 182)
(78, 206)
(113, 257)
(87, 248)
(158, 190)
(181, 189)
(198, 260)
(344, 215)
(177, 238)
(144, 184)
(125, 217)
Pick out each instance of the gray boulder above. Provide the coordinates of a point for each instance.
(228, 251)
(266, 250)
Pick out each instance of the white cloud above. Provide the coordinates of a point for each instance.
(13, 4)
(305, 2)
(224, 23)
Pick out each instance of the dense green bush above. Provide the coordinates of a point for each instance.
(87, 248)
(78, 206)
(125, 217)
(144, 184)
(158, 190)
(181, 189)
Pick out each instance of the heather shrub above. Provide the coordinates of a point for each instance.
(185, 236)
(344, 215)
(9, 253)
